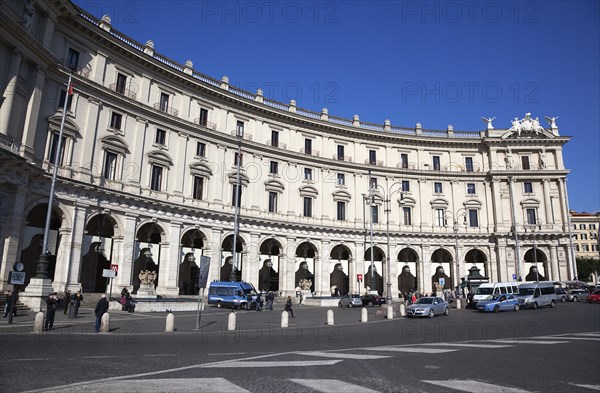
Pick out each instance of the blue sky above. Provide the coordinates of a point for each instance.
(432, 62)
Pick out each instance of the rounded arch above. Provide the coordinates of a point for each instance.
(373, 277)
(97, 246)
(191, 249)
(41, 207)
(476, 257)
(101, 224)
(339, 283)
(536, 265)
(193, 238)
(408, 254)
(408, 259)
(304, 279)
(229, 269)
(149, 235)
(441, 260)
(270, 251)
(150, 232)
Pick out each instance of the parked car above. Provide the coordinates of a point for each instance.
(428, 307)
(536, 294)
(505, 302)
(594, 297)
(372, 300)
(561, 294)
(237, 294)
(576, 295)
(350, 301)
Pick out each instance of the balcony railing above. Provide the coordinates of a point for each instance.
(126, 92)
(245, 136)
(376, 162)
(208, 124)
(344, 158)
(410, 165)
(312, 152)
(6, 141)
(276, 144)
(167, 110)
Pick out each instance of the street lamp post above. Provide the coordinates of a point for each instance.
(236, 199)
(454, 217)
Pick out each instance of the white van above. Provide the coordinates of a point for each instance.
(536, 294)
(486, 290)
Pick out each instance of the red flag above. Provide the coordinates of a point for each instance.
(70, 91)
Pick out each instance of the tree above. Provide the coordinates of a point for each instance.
(587, 266)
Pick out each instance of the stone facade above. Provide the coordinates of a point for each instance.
(147, 176)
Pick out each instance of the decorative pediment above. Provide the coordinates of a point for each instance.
(243, 178)
(407, 201)
(308, 191)
(530, 202)
(341, 195)
(274, 185)
(439, 202)
(160, 157)
(115, 143)
(71, 129)
(201, 169)
(472, 203)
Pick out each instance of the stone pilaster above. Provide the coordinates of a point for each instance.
(32, 114)
(10, 90)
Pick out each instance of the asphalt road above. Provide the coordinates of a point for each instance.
(545, 350)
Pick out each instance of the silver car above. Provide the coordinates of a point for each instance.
(350, 301)
(577, 295)
(428, 307)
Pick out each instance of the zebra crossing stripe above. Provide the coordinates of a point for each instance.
(475, 386)
(410, 350)
(528, 342)
(289, 363)
(342, 355)
(200, 385)
(469, 345)
(573, 338)
(592, 387)
(332, 386)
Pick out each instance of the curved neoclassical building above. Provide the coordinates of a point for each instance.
(147, 175)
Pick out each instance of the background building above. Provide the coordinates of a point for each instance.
(147, 177)
(585, 234)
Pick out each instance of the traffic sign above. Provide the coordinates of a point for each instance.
(108, 273)
(442, 281)
(359, 277)
(114, 268)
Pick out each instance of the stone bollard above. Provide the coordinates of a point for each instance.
(38, 325)
(170, 328)
(390, 312)
(364, 316)
(330, 317)
(458, 303)
(284, 319)
(105, 323)
(402, 310)
(231, 321)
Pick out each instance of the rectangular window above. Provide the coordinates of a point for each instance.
(373, 183)
(594, 247)
(110, 166)
(372, 157)
(72, 59)
(121, 83)
(341, 179)
(308, 174)
(164, 102)
(528, 187)
(592, 226)
(473, 221)
(201, 149)
(236, 191)
(341, 211)
(436, 163)
(239, 128)
(469, 164)
(161, 137)
(439, 218)
(577, 247)
(471, 189)
(275, 138)
(274, 167)
(405, 186)
(531, 216)
(340, 152)
(437, 187)
(307, 146)
(54, 146)
(375, 214)
(307, 207)
(198, 189)
(203, 121)
(406, 216)
(581, 226)
(586, 248)
(584, 236)
(404, 160)
(272, 202)
(525, 162)
(115, 120)
(156, 180)
(238, 159)
(61, 100)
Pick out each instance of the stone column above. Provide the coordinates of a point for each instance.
(67, 275)
(502, 273)
(117, 259)
(32, 114)
(49, 32)
(11, 233)
(321, 273)
(252, 263)
(547, 205)
(393, 271)
(127, 250)
(214, 252)
(90, 162)
(318, 276)
(10, 90)
(426, 269)
(290, 263)
(99, 67)
(356, 267)
(169, 261)
(555, 273)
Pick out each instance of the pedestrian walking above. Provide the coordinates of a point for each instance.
(76, 301)
(259, 302)
(101, 309)
(270, 299)
(8, 307)
(288, 306)
(51, 302)
(413, 298)
(67, 300)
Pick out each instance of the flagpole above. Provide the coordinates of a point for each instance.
(42, 265)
